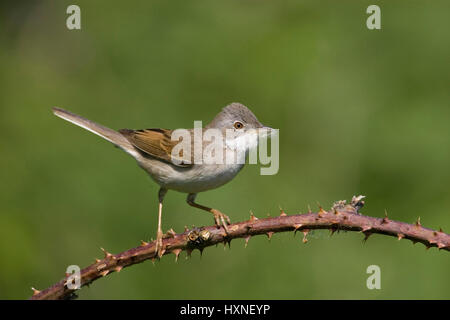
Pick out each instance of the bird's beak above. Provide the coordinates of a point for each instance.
(266, 131)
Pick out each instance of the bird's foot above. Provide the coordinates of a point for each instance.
(221, 219)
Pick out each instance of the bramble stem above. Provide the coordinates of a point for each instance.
(341, 216)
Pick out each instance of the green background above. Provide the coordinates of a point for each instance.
(359, 111)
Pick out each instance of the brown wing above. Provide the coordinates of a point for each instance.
(155, 142)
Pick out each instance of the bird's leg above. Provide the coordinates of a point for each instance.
(159, 233)
(219, 217)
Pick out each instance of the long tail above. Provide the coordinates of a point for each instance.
(104, 132)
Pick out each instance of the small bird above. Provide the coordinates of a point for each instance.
(153, 151)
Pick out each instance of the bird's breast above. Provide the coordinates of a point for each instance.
(194, 179)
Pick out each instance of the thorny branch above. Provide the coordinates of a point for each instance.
(341, 216)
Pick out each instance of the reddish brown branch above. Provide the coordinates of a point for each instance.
(342, 216)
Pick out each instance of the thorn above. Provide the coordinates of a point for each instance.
(177, 253)
(441, 245)
(225, 242)
(269, 235)
(440, 230)
(35, 291)
(282, 213)
(246, 240)
(305, 233)
(201, 251)
(321, 211)
(400, 236)
(104, 273)
(161, 252)
(309, 209)
(118, 268)
(97, 260)
(153, 261)
(143, 243)
(296, 227)
(385, 219)
(418, 222)
(189, 252)
(366, 236)
(186, 229)
(252, 216)
(107, 254)
(366, 228)
(170, 233)
(332, 231)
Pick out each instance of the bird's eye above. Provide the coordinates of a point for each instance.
(238, 125)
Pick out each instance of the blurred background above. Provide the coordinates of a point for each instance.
(359, 111)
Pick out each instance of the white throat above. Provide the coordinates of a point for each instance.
(243, 142)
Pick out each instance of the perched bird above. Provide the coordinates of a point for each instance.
(185, 172)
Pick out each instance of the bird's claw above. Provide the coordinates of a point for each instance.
(221, 219)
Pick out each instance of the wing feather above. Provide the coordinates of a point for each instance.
(154, 142)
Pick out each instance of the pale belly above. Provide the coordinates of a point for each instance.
(194, 179)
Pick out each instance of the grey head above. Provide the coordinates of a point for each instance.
(235, 116)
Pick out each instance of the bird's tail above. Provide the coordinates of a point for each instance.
(104, 132)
